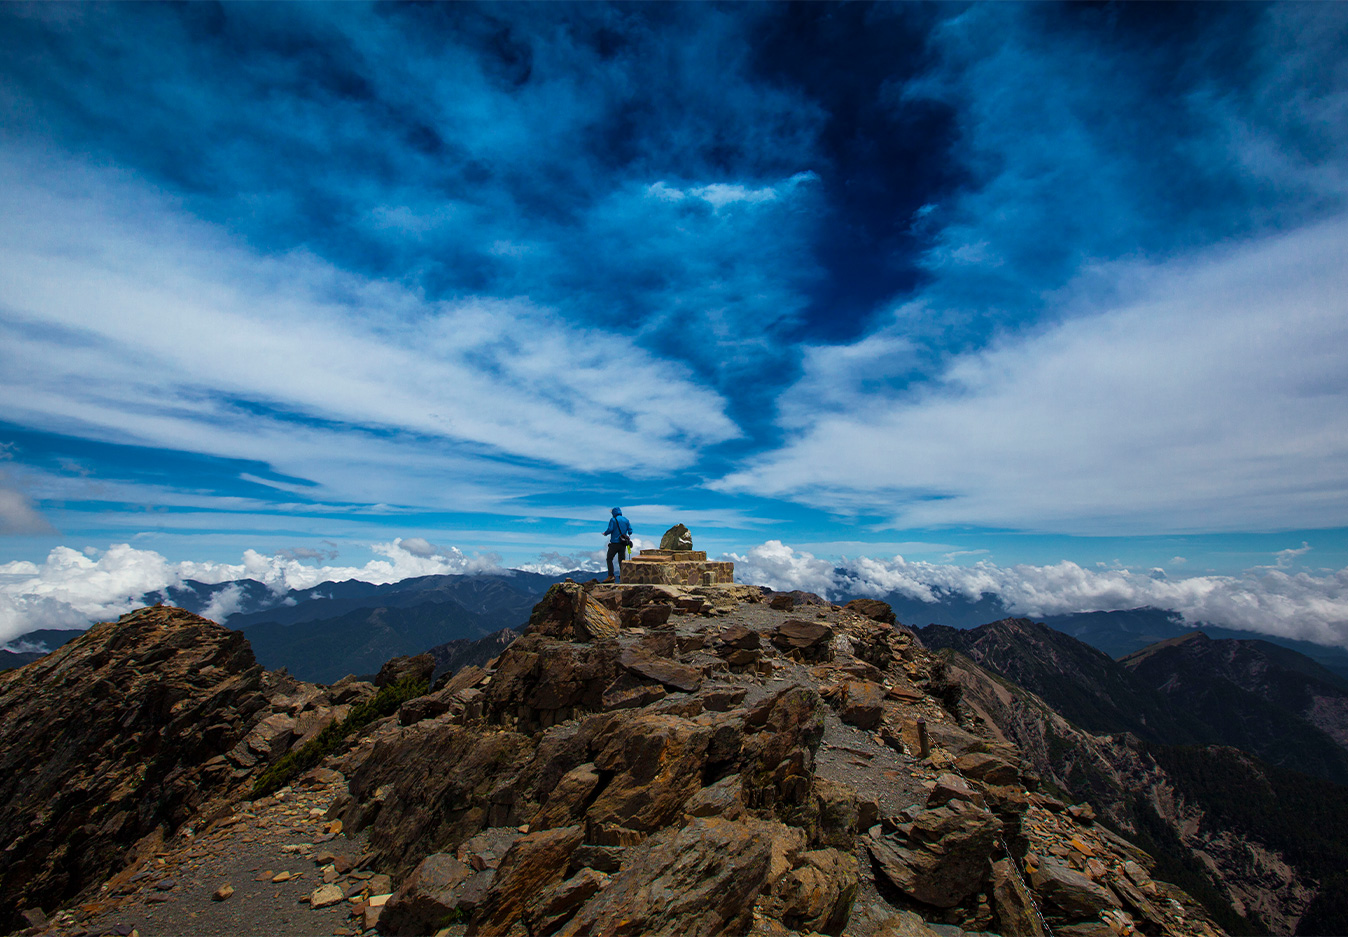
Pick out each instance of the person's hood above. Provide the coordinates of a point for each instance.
(617, 511)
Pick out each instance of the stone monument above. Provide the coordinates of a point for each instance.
(676, 563)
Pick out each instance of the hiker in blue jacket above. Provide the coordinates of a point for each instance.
(619, 532)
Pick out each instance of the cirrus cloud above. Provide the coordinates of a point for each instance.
(1203, 395)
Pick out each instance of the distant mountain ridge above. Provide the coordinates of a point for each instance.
(1192, 690)
(1117, 633)
(324, 632)
(354, 627)
(1204, 750)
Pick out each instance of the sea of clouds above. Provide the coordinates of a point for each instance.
(71, 589)
(1271, 600)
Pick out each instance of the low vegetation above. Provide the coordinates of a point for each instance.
(311, 754)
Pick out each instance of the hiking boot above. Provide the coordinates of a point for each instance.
(609, 579)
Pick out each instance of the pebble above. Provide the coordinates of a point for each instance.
(282, 876)
(222, 893)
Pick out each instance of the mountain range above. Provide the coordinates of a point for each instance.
(334, 628)
(1117, 633)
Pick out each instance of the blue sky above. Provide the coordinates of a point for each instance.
(994, 286)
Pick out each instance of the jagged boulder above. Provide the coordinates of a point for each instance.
(702, 878)
(783, 733)
(433, 786)
(785, 601)
(1013, 902)
(873, 609)
(431, 894)
(570, 611)
(677, 538)
(540, 681)
(861, 703)
(1067, 894)
(415, 668)
(807, 640)
(534, 865)
(945, 855)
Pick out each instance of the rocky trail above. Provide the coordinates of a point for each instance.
(645, 759)
(275, 867)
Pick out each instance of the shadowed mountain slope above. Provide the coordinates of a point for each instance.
(1233, 829)
(1188, 690)
(1256, 696)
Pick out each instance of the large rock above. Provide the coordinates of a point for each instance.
(555, 906)
(567, 801)
(703, 878)
(656, 764)
(417, 669)
(1013, 903)
(535, 864)
(426, 897)
(572, 612)
(861, 703)
(670, 673)
(113, 736)
(540, 681)
(873, 609)
(1067, 894)
(808, 640)
(839, 813)
(945, 856)
(817, 894)
(677, 538)
(782, 733)
(435, 784)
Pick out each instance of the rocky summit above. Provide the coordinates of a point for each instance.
(644, 759)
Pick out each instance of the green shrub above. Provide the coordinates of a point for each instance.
(311, 753)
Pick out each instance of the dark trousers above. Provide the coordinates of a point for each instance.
(618, 550)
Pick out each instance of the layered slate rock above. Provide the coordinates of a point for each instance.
(701, 776)
(117, 735)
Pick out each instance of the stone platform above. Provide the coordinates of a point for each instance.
(676, 568)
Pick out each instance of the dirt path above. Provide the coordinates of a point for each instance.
(274, 853)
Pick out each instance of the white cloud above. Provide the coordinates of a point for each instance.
(1301, 606)
(552, 563)
(127, 322)
(71, 589)
(1285, 558)
(224, 603)
(777, 566)
(17, 514)
(720, 194)
(1211, 396)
